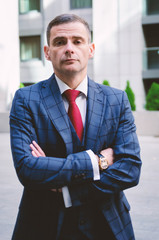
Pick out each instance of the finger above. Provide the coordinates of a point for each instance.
(34, 154)
(54, 190)
(35, 150)
(32, 147)
(39, 149)
(107, 151)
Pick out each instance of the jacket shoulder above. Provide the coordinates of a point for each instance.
(106, 89)
(112, 94)
(32, 90)
(110, 90)
(33, 87)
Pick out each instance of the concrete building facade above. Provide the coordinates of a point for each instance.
(119, 39)
(9, 53)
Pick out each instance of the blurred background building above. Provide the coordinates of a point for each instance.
(126, 34)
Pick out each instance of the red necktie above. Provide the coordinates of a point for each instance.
(73, 111)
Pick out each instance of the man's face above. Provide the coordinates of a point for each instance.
(69, 49)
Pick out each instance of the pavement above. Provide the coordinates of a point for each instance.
(144, 198)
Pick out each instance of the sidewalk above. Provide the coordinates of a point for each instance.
(144, 199)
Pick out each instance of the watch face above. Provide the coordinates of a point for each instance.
(104, 163)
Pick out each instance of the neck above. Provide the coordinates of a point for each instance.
(72, 80)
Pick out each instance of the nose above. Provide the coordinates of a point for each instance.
(69, 48)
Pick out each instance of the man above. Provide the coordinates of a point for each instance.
(73, 180)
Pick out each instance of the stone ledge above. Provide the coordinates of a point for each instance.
(4, 122)
(147, 123)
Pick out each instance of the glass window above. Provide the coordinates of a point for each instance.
(80, 4)
(153, 58)
(148, 82)
(26, 6)
(30, 48)
(152, 7)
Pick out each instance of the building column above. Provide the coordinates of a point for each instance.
(9, 53)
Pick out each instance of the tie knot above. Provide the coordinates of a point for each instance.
(71, 95)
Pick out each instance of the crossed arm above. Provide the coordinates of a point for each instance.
(37, 171)
(38, 152)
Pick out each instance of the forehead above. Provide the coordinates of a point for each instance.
(69, 30)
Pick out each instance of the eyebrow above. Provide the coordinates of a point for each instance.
(63, 37)
(58, 38)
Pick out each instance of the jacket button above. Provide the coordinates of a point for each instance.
(82, 148)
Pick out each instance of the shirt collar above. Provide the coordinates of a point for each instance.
(82, 87)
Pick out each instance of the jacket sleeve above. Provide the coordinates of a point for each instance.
(41, 172)
(125, 172)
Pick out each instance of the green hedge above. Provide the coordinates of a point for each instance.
(105, 82)
(21, 85)
(131, 96)
(152, 98)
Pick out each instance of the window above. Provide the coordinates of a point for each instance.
(30, 48)
(153, 58)
(148, 82)
(80, 4)
(151, 34)
(152, 7)
(26, 6)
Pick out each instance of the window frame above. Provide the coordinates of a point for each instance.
(21, 2)
(74, 2)
(38, 50)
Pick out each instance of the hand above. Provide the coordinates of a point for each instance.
(109, 154)
(36, 150)
(57, 190)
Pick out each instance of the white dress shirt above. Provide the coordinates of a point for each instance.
(81, 102)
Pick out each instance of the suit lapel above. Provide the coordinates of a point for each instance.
(96, 104)
(55, 108)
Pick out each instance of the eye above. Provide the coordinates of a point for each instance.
(59, 43)
(78, 41)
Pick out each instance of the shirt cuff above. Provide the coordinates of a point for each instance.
(66, 197)
(95, 165)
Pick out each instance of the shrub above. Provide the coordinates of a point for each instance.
(131, 96)
(21, 85)
(105, 82)
(152, 98)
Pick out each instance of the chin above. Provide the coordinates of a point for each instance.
(70, 70)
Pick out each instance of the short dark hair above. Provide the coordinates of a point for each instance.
(66, 18)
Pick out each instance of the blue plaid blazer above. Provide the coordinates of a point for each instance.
(38, 114)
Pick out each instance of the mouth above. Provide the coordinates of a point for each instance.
(70, 60)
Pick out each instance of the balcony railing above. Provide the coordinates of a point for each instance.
(151, 58)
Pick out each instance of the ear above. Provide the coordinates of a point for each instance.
(47, 52)
(91, 50)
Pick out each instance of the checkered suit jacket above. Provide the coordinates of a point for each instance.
(38, 114)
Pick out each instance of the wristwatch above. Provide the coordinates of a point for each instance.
(103, 162)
